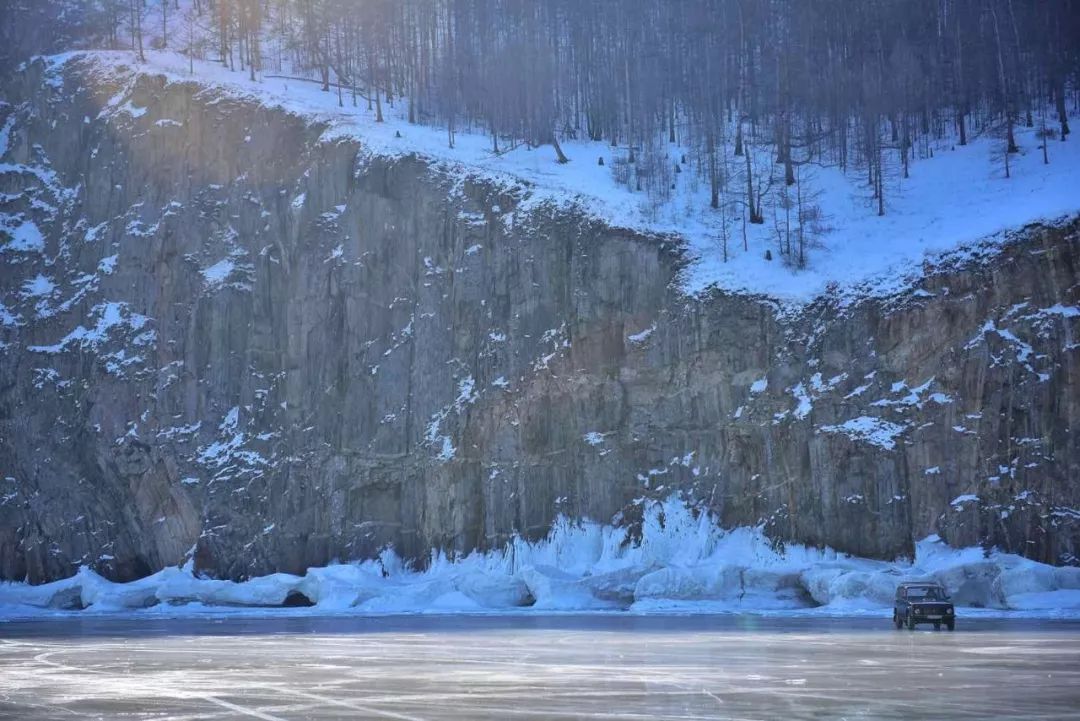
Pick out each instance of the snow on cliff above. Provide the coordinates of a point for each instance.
(958, 199)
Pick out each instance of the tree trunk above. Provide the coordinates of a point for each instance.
(880, 189)
(755, 215)
(789, 167)
(1059, 102)
(558, 149)
(714, 184)
(1010, 138)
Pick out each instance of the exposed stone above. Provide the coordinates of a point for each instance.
(308, 352)
(295, 599)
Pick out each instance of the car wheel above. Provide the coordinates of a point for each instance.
(910, 622)
(896, 620)
(951, 625)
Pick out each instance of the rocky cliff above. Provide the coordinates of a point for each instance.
(229, 334)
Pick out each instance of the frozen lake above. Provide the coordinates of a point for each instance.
(530, 667)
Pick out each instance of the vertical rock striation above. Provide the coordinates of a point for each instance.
(228, 336)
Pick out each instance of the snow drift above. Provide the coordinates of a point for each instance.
(682, 562)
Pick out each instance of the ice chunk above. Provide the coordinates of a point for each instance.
(414, 595)
(682, 561)
(1053, 601)
(453, 602)
(341, 586)
(494, 589)
(1067, 577)
(1026, 578)
(555, 590)
(716, 582)
(973, 584)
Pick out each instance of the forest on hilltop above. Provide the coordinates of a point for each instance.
(864, 85)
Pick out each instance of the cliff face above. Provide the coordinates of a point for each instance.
(227, 335)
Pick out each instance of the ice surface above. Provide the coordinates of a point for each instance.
(682, 562)
(602, 666)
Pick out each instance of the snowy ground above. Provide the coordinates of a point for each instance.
(475, 669)
(957, 200)
(682, 564)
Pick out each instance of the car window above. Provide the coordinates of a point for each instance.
(926, 593)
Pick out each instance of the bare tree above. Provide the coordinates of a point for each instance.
(740, 91)
(137, 9)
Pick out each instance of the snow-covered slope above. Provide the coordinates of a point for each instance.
(682, 563)
(953, 200)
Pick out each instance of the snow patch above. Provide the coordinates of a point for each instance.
(803, 403)
(110, 316)
(593, 438)
(23, 236)
(7, 318)
(219, 272)
(867, 429)
(638, 338)
(108, 265)
(38, 286)
(5, 135)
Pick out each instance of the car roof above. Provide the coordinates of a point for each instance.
(908, 584)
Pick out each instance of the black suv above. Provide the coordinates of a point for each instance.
(923, 602)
